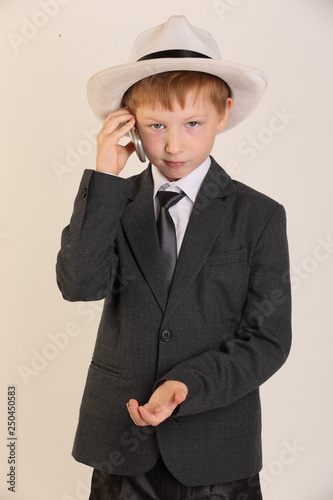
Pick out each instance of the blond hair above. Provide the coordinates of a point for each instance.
(163, 88)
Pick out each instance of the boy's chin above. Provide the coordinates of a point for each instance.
(174, 173)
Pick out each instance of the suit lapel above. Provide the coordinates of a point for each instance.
(206, 221)
(139, 225)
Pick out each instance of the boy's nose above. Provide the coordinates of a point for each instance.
(173, 144)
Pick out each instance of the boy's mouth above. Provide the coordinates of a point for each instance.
(175, 164)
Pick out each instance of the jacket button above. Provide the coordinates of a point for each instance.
(165, 335)
(84, 192)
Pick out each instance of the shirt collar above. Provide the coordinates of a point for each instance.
(190, 184)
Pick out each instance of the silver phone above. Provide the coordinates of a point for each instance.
(135, 138)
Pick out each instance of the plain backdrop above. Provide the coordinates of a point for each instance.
(49, 49)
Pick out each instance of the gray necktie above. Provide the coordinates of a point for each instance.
(167, 233)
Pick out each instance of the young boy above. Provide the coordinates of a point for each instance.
(197, 304)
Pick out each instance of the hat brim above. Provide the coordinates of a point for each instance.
(106, 88)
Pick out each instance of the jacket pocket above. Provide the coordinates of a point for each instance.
(106, 368)
(227, 257)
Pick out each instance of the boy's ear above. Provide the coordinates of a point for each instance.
(224, 118)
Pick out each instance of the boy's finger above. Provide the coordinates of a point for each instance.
(118, 117)
(180, 397)
(133, 410)
(150, 418)
(118, 112)
(120, 124)
(158, 416)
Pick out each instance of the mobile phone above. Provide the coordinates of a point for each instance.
(135, 138)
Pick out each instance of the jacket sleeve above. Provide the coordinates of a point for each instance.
(262, 343)
(86, 258)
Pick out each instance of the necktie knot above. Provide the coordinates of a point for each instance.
(169, 198)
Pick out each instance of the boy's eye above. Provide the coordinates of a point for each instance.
(192, 124)
(157, 126)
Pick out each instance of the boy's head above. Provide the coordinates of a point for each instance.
(178, 115)
(171, 47)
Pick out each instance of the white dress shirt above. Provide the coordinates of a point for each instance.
(190, 185)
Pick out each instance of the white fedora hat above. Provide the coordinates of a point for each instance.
(176, 45)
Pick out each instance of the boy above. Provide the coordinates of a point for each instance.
(197, 304)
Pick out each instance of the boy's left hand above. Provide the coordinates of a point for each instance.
(160, 406)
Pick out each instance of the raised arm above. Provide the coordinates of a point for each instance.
(86, 259)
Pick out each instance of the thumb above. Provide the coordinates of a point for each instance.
(180, 396)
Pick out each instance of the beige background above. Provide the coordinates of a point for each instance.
(49, 49)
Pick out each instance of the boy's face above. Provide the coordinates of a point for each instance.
(178, 141)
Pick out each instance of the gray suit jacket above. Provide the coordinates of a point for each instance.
(224, 330)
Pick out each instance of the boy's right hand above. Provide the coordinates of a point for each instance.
(112, 157)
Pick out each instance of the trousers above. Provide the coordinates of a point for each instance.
(160, 484)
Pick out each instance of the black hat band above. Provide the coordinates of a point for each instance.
(173, 53)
